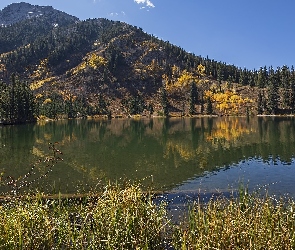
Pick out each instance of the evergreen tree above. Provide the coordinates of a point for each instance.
(17, 102)
(136, 105)
(164, 100)
(193, 98)
(209, 107)
(261, 78)
(260, 104)
(69, 108)
(230, 82)
(292, 90)
(273, 96)
(285, 84)
(102, 106)
(219, 78)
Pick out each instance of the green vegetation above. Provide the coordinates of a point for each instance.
(17, 102)
(101, 67)
(247, 222)
(118, 218)
(124, 217)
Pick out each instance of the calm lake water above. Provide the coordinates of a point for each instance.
(178, 155)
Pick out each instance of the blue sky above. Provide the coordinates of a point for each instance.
(249, 34)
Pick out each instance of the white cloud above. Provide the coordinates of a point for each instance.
(147, 3)
(139, 1)
(150, 4)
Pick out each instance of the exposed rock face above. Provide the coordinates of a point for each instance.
(17, 12)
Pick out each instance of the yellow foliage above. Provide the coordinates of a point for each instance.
(154, 66)
(48, 100)
(42, 70)
(92, 60)
(175, 71)
(68, 96)
(201, 70)
(227, 131)
(153, 46)
(165, 78)
(96, 61)
(2, 67)
(185, 79)
(150, 45)
(227, 102)
(38, 84)
(183, 150)
(37, 152)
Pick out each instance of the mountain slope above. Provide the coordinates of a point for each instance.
(22, 23)
(18, 12)
(103, 66)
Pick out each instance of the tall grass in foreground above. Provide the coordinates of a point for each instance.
(118, 218)
(123, 217)
(246, 222)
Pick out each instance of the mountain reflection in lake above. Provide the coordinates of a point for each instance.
(188, 155)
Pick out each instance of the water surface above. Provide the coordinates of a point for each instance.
(181, 155)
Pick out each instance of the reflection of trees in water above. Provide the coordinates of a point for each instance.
(173, 150)
(229, 131)
(277, 137)
(16, 146)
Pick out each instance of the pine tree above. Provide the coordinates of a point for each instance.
(102, 106)
(259, 103)
(285, 84)
(273, 96)
(193, 98)
(69, 107)
(209, 107)
(164, 100)
(261, 78)
(135, 104)
(17, 102)
(292, 90)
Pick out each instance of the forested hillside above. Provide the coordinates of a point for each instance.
(101, 67)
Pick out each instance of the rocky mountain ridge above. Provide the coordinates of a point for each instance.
(17, 12)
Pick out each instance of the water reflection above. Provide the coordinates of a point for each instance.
(177, 152)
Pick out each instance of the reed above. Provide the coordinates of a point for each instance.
(125, 217)
(119, 218)
(250, 221)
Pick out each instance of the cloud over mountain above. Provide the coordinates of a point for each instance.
(147, 3)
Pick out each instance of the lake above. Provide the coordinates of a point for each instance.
(188, 156)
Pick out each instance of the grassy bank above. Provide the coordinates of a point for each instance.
(123, 217)
(247, 222)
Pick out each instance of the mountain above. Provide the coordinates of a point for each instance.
(17, 12)
(99, 66)
(22, 23)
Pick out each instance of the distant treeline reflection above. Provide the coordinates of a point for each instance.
(173, 150)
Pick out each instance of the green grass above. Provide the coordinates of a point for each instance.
(247, 222)
(124, 217)
(118, 218)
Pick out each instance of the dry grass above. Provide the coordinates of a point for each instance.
(246, 222)
(119, 218)
(122, 217)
